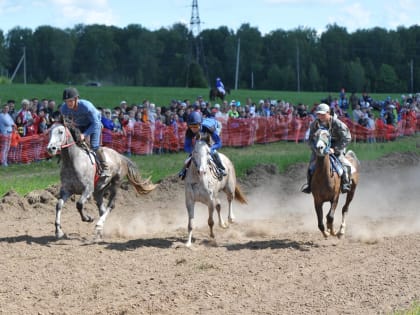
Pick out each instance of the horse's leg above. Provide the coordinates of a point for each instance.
(345, 210)
(64, 195)
(190, 210)
(79, 205)
(231, 216)
(318, 209)
(210, 221)
(222, 223)
(330, 215)
(104, 211)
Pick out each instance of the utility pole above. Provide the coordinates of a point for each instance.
(238, 50)
(297, 68)
(195, 28)
(22, 59)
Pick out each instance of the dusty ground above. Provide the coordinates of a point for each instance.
(273, 260)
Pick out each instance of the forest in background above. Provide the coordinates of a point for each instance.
(374, 60)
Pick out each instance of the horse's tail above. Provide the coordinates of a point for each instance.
(133, 175)
(239, 195)
(353, 155)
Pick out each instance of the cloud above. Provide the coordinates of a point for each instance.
(71, 12)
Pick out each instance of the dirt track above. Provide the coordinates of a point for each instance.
(273, 260)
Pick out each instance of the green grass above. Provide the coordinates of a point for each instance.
(111, 96)
(413, 310)
(28, 177)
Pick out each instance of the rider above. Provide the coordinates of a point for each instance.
(220, 86)
(340, 139)
(196, 126)
(84, 115)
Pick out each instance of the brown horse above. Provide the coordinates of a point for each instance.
(326, 183)
(214, 92)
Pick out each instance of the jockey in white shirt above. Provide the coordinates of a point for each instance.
(220, 86)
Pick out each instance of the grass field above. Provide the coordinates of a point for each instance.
(111, 96)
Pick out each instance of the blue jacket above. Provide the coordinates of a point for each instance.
(209, 126)
(87, 118)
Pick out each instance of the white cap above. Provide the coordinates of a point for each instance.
(322, 109)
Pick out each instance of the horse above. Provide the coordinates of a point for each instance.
(203, 184)
(214, 92)
(79, 176)
(326, 183)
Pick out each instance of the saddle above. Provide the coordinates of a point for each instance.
(336, 165)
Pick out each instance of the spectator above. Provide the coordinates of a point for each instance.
(357, 113)
(51, 108)
(6, 128)
(25, 113)
(20, 127)
(108, 124)
(41, 122)
(233, 111)
(12, 109)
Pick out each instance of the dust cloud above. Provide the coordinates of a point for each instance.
(385, 205)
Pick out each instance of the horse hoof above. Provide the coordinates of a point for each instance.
(88, 219)
(326, 234)
(59, 235)
(340, 235)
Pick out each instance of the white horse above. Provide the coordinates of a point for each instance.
(202, 184)
(78, 176)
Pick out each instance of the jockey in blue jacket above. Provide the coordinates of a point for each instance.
(84, 116)
(208, 126)
(340, 139)
(220, 86)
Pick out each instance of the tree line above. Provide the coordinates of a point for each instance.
(374, 60)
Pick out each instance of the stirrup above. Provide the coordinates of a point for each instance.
(105, 174)
(345, 188)
(306, 189)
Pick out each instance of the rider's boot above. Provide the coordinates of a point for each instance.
(345, 180)
(105, 172)
(307, 187)
(216, 159)
(182, 173)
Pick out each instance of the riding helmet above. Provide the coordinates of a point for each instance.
(194, 118)
(70, 93)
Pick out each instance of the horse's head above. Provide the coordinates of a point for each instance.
(201, 156)
(59, 138)
(322, 142)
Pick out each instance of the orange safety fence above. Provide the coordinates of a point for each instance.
(146, 138)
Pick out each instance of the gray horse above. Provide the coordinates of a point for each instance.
(202, 184)
(79, 176)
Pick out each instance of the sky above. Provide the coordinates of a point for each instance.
(266, 15)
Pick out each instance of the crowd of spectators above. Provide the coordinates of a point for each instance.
(36, 116)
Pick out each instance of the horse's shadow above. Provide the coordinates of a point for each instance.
(272, 244)
(28, 239)
(139, 243)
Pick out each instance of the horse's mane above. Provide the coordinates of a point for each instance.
(74, 131)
